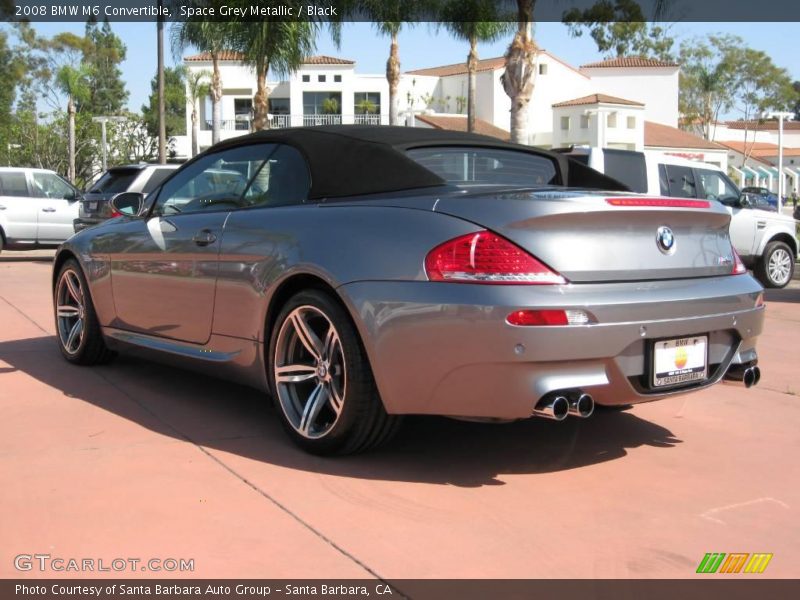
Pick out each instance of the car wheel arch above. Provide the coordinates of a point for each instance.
(62, 257)
(777, 236)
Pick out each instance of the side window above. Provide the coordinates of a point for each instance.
(50, 185)
(718, 187)
(157, 177)
(681, 182)
(12, 183)
(214, 182)
(283, 180)
(663, 182)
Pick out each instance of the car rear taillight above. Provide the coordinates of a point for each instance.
(738, 265)
(485, 257)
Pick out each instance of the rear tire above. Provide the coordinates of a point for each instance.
(77, 328)
(321, 380)
(776, 267)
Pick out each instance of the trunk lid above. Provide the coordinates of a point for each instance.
(587, 239)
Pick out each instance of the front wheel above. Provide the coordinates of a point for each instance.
(77, 328)
(321, 379)
(776, 267)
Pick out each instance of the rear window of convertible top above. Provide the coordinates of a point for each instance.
(464, 165)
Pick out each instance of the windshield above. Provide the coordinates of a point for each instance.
(114, 181)
(486, 166)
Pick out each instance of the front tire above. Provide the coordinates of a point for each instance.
(321, 380)
(776, 267)
(77, 327)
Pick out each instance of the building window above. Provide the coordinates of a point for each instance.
(322, 108)
(306, 78)
(542, 69)
(612, 120)
(321, 78)
(243, 112)
(631, 122)
(279, 106)
(565, 123)
(584, 121)
(367, 107)
(337, 78)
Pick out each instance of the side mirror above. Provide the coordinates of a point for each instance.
(127, 203)
(73, 195)
(745, 201)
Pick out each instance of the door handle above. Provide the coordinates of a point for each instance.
(204, 238)
(48, 210)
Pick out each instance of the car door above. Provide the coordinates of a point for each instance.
(18, 211)
(164, 267)
(714, 185)
(58, 205)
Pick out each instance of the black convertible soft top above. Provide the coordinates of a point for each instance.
(355, 160)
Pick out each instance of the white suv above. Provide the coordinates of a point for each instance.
(37, 208)
(765, 240)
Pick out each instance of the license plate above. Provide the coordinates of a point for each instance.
(91, 205)
(681, 360)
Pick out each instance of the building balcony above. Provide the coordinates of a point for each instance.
(242, 125)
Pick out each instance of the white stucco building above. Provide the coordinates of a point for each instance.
(627, 103)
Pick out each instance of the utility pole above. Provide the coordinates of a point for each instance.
(162, 108)
(103, 143)
(781, 177)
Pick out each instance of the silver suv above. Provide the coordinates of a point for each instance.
(142, 178)
(37, 208)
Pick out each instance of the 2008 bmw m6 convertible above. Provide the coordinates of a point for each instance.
(357, 274)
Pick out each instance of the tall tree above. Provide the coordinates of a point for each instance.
(162, 102)
(72, 80)
(103, 54)
(175, 104)
(280, 46)
(620, 28)
(210, 37)
(707, 79)
(473, 21)
(518, 77)
(197, 89)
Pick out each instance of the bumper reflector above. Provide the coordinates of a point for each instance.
(530, 318)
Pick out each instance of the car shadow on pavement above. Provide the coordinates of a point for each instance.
(229, 418)
(784, 295)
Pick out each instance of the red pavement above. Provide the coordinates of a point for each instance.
(138, 460)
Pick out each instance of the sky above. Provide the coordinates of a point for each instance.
(421, 45)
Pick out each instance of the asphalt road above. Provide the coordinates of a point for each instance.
(140, 460)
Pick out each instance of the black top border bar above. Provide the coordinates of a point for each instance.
(708, 11)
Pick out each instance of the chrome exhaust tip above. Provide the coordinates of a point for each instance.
(555, 407)
(581, 405)
(746, 374)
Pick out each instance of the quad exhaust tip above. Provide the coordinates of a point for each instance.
(559, 405)
(747, 374)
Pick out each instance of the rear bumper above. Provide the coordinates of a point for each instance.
(439, 348)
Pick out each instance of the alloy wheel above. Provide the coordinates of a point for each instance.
(310, 373)
(70, 311)
(780, 266)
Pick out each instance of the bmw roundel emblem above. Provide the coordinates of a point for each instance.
(665, 240)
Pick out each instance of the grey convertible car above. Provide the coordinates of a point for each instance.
(358, 274)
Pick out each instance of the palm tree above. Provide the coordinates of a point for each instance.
(162, 103)
(210, 37)
(474, 21)
(197, 88)
(518, 77)
(280, 46)
(73, 82)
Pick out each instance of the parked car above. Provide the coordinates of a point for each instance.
(765, 240)
(766, 197)
(144, 178)
(384, 271)
(37, 208)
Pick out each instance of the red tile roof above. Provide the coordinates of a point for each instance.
(597, 99)
(487, 64)
(230, 55)
(759, 149)
(663, 136)
(763, 125)
(459, 123)
(628, 62)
